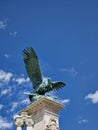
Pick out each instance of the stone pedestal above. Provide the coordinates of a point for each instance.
(23, 119)
(40, 115)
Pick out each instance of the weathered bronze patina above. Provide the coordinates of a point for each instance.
(33, 69)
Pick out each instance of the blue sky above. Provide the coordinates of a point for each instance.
(64, 36)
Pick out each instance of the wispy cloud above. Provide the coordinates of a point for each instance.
(5, 91)
(21, 80)
(82, 120)
(93, 97)
(63, 101)
(4, 124)
(25, 101)
(5, 77)
(3, 24)
(8, 77)
(72, 72)
(7, 55)
(13, 34)
(12, 92)
(14, 106)
(1, 106)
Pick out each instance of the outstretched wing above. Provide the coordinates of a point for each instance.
(57, 86)
(32, 66)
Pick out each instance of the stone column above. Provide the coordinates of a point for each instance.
(19, 128)
(18, 122)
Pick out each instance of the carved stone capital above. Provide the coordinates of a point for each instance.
(23, 119)
(29, 122)
(19, 122)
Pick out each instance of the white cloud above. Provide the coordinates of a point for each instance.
(5, 76)
(13, 34)
(21, 80)
(72, 72)
(3, 24)
(93, 97)
(5, 91)
(4, 124)
(22, 102)
(25, 101)
(6, 55)
(1, 106)
(14, 106)
(82, 121)
(64, 101)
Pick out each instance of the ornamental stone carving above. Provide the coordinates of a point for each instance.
(18, 121)
(29, 122)
(52, 125)
(23, 120)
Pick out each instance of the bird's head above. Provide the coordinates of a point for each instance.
(47, 82)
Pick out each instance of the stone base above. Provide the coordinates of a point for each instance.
(44, 114)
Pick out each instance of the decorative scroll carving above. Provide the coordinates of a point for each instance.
(52, 125)
(23, 119)
(18, 121)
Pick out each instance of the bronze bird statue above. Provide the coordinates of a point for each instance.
(34, 73)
